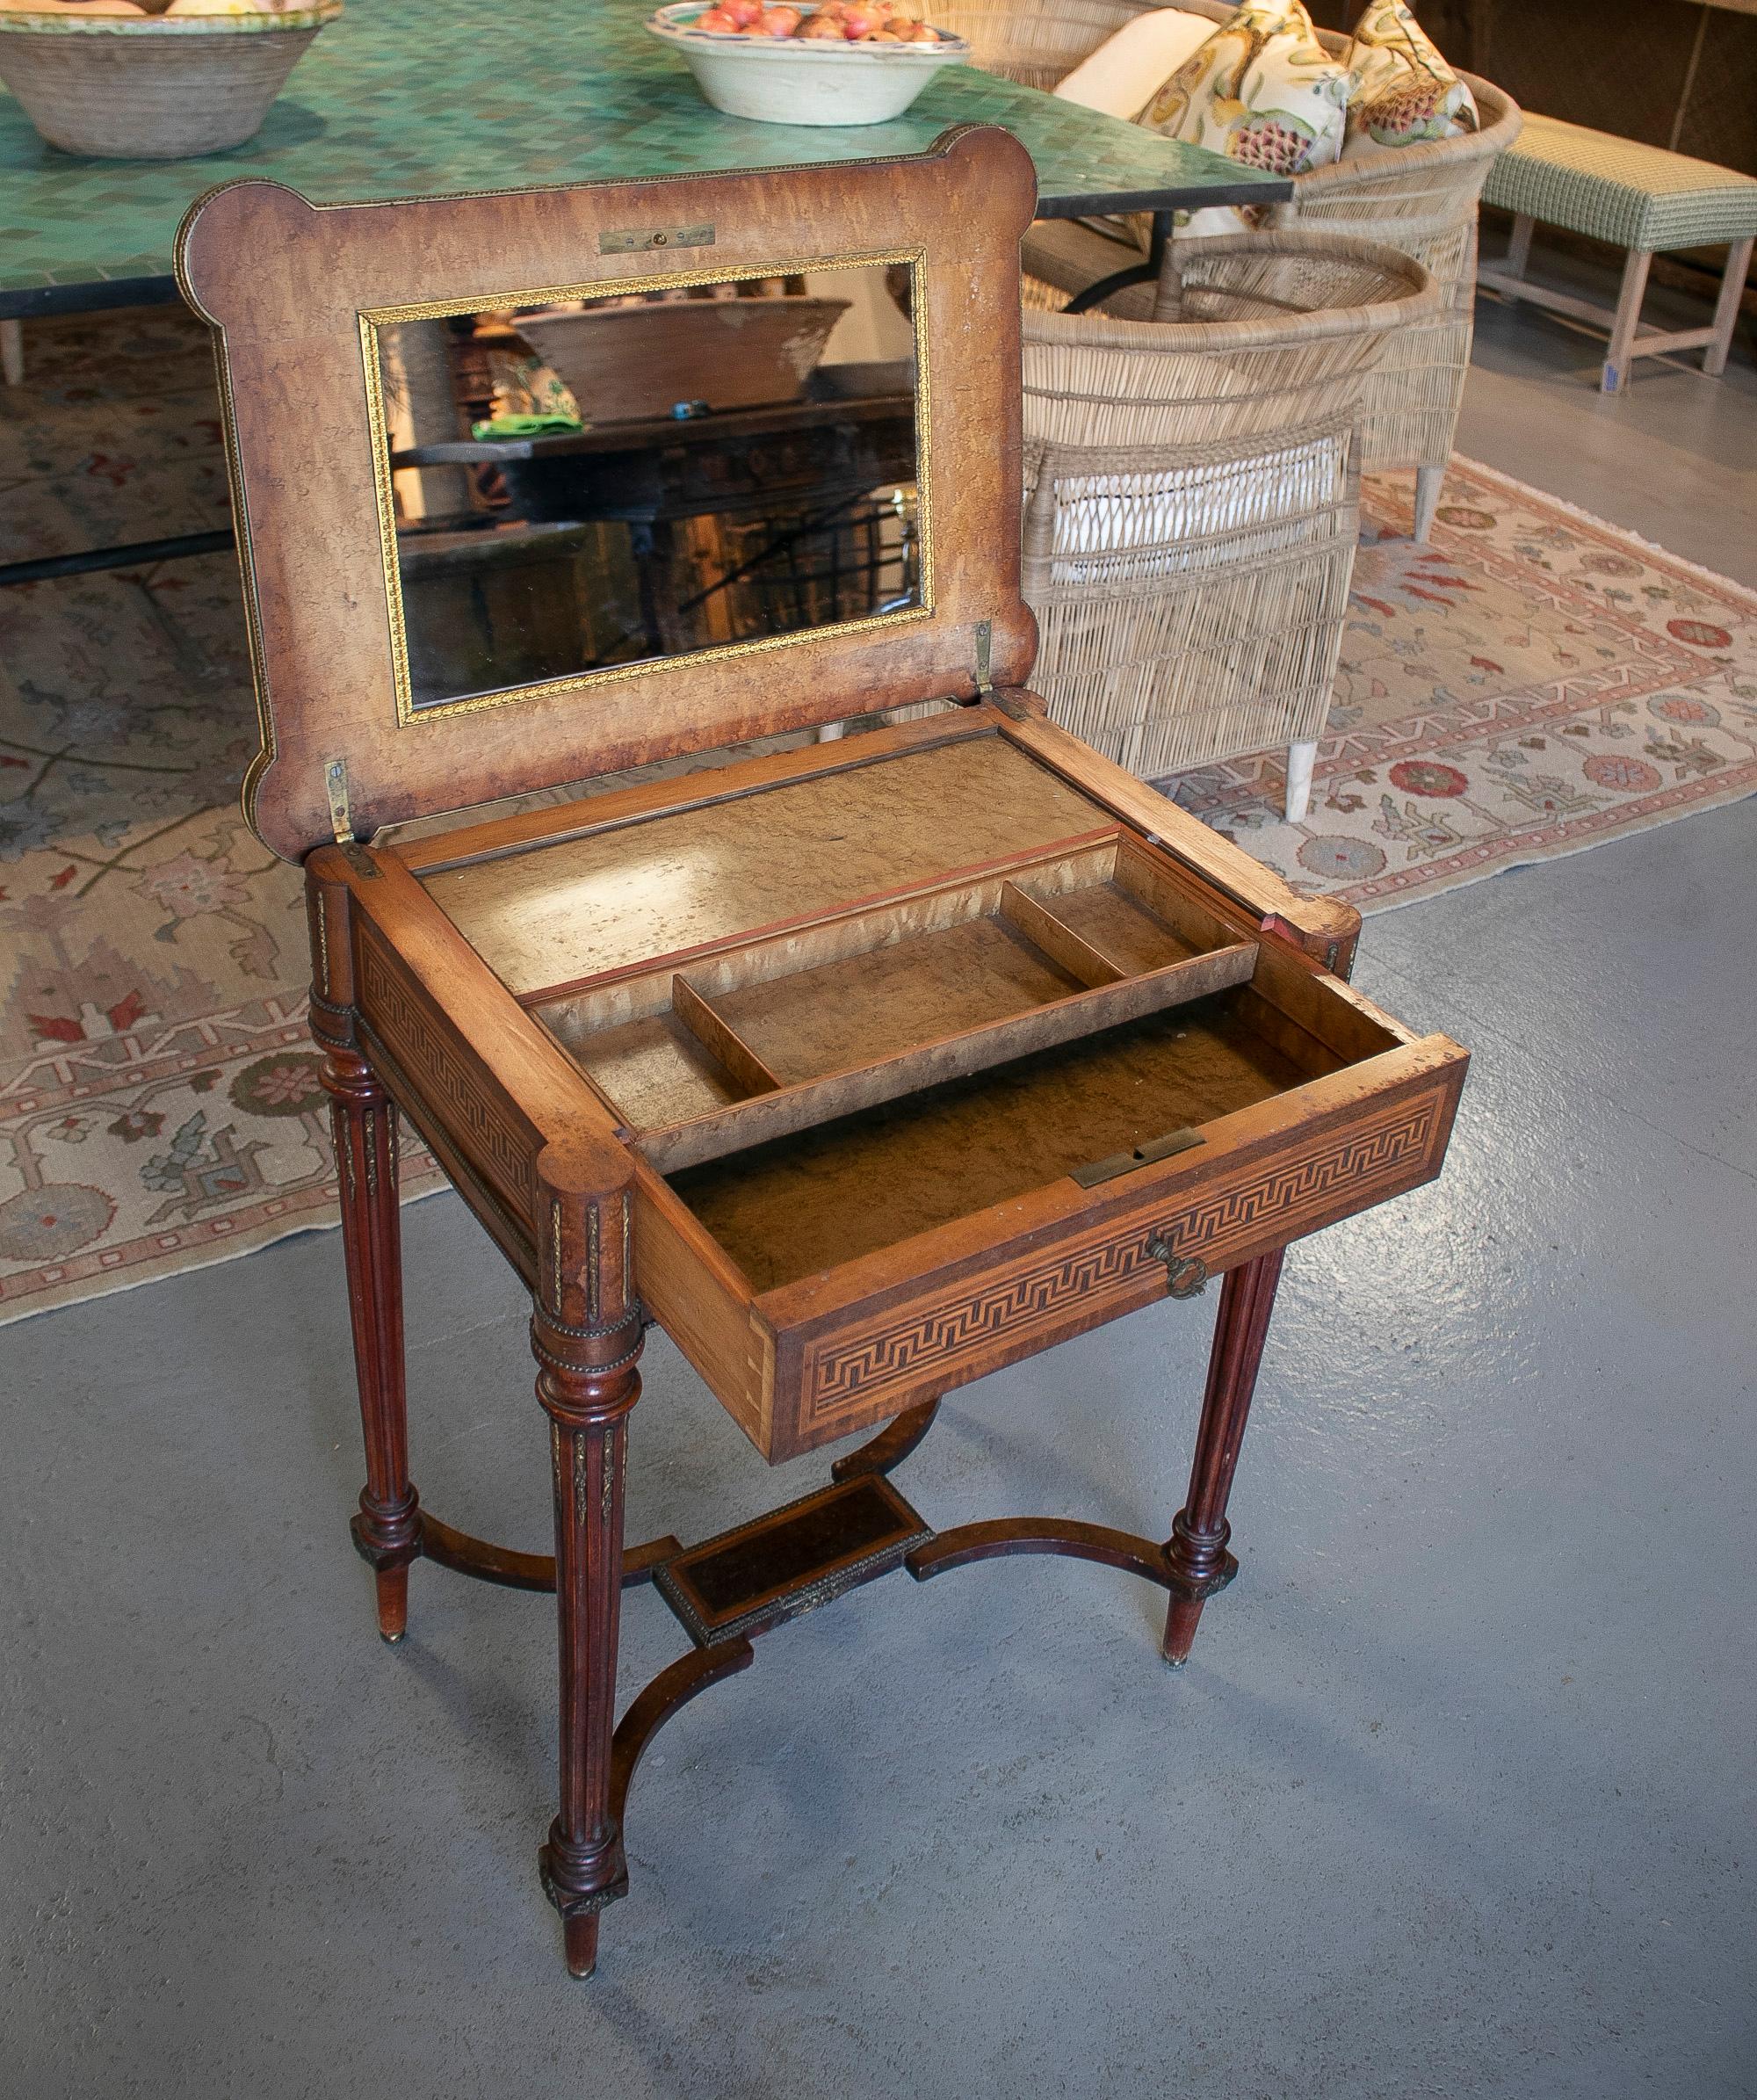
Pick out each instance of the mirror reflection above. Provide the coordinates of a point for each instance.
(604, 482)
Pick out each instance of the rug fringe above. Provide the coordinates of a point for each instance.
(1604, 525)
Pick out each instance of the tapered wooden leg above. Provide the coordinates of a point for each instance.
(1430, 483)
(1196, 1550)
(12, 352)
(1726, 306)
(1301, 758)
(387, 1527)
(582, 1865)
(1626, 325)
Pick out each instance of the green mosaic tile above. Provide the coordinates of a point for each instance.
(418, 98)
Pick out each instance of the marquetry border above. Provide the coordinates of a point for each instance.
(477, 1120)
(1108, 1269)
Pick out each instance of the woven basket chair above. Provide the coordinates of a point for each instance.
(1420, 198)
(1192, 497)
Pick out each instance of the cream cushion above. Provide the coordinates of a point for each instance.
(1261, 90)
(1127, 70)
(1401, 92)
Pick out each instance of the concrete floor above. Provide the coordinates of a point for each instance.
(1456, 1797)
(1673, 457)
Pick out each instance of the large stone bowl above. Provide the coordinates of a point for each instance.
(152, 87)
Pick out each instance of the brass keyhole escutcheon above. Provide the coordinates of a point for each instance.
(1186, 1275)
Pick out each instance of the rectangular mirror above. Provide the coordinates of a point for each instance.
(569, 486)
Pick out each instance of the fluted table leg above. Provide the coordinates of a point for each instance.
(586, 1334)
(1196, 1550)
(387, 1528)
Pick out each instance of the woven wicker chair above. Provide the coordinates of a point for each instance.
(1192, 497)
(1420, 198)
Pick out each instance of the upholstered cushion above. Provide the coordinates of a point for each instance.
(1261, 90)
(1612, 189)
(1401, 92)
(1127, 70)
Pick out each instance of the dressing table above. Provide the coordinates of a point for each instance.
(863, 1067)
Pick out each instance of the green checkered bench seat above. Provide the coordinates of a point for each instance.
(1632, 196)
(1638, 198)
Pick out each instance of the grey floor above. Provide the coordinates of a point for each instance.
(1456, 1797)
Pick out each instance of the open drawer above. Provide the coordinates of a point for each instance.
(930, 1061)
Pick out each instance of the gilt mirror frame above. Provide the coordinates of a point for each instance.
(371, 352)
(297, 293)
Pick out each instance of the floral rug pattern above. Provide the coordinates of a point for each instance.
(1531, 683)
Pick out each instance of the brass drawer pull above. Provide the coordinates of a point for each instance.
(1186, 1275)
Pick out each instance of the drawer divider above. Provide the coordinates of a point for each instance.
(720, 1039)
(782, 1110)
(1031, 917)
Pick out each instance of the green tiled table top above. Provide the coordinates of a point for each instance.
(411, 97)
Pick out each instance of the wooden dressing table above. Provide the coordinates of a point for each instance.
(862, 1069)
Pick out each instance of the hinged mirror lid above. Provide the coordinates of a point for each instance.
(744, 458)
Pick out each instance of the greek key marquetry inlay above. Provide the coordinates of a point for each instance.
(395, 1012)
(1297, 1195)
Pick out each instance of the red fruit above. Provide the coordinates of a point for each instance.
(717, 21)
(817, 31)
(857, 22)
(778, 21)
(879, 36)
(744, 12)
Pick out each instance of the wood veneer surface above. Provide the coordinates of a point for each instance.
(865, 1006)
(1121, 927)
(788, 1209)
(555, 914)
(652, 1070)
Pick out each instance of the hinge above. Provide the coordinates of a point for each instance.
(985, 645)
(341, 818)
(336, 782)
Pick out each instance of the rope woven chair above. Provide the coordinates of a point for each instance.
(1192, 497)
(1420, 198)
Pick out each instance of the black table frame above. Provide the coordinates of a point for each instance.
(40, 300)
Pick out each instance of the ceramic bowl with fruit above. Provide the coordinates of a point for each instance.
(843, 61)
(161, 80)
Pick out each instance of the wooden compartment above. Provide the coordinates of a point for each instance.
(771, 1035)
(923, 1053)
(856, 1265)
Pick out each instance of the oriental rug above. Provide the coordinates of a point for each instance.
(1533, 682)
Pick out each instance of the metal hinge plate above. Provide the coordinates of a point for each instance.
(985, 658)
(341, 818)
(336, 786)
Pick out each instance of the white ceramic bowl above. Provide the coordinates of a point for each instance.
(784, 80)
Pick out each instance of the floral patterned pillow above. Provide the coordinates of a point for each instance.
(1261, 90)
(1401, 92)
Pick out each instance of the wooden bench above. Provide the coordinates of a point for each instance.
(1638, 198)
